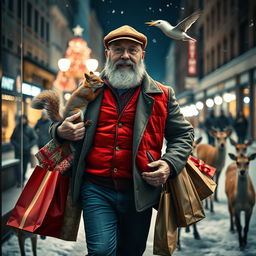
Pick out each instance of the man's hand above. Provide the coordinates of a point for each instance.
(158, 177)
(69, 131)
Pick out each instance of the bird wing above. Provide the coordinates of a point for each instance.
(185, 24)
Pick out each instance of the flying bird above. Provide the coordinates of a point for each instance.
(179, 31)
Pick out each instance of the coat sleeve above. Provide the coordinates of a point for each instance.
(53, 132)
(179, 135)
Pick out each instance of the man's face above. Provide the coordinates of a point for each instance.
(125, 50)
(124, 67)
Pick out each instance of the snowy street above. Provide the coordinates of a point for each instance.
(216, 239)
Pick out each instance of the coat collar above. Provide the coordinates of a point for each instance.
(149, 85)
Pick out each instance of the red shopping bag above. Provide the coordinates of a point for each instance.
(41, 205)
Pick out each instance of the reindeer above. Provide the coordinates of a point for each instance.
(240, 193)
(215, 155)
(195, 231)
(241, 148)
(22, 236)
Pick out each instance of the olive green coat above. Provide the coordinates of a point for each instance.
(178, 134)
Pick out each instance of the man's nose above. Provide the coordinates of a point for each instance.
(125, 55)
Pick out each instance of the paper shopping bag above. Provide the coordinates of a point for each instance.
(187, 203)
(204, 185)
(165, 233)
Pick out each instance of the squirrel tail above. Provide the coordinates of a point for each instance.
(48, 100)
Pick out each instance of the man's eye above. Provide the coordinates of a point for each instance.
(118, 50)
(133, 51)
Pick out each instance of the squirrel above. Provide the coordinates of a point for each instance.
(87, 92)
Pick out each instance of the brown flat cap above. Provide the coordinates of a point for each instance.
(125, 32)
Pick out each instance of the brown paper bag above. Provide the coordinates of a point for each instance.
(165, 234)
(187, 203)
(204, 185)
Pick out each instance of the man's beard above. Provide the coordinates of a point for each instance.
(121, 78)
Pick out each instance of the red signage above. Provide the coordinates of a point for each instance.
(192, 58)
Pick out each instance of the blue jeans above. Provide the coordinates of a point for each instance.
(112, 224)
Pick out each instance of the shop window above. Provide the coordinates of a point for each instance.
(29, 14)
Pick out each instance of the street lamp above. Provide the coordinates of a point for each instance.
(199, 105)
(209, 103)
(64, 64)
(91, 64)
(218, 100)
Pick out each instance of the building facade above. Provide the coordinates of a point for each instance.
(226, 59)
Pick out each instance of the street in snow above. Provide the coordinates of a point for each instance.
(216, 239)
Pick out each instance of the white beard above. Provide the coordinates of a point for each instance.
(124, 78)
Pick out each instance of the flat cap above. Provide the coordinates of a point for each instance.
(125, 32)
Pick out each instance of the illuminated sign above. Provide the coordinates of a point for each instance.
(30, 90)
(192, 58)
(7, 83)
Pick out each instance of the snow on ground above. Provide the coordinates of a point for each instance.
(216, 240)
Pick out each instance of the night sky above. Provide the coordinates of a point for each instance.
(116, 13)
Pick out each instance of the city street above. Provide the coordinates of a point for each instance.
(216, 240)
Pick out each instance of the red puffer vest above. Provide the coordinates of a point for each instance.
(111, 153)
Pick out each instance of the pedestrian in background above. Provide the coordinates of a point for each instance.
(223, 121)
(230, 119)
(111, 175)
(210, 123)
(241, 126)
(23, 139)
(42, 130)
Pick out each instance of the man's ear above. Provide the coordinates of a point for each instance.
(143, 54)
(106, 52)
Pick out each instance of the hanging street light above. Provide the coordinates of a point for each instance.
(91, 64)
(209, 103)
(218, 100)
(199, 105)
(64, 64)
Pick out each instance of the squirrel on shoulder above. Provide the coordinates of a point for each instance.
(80, 98)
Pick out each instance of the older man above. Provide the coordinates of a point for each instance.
(112, 176)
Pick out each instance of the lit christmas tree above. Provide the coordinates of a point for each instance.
(76, 55)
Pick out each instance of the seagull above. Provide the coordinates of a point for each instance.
(179, 31)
